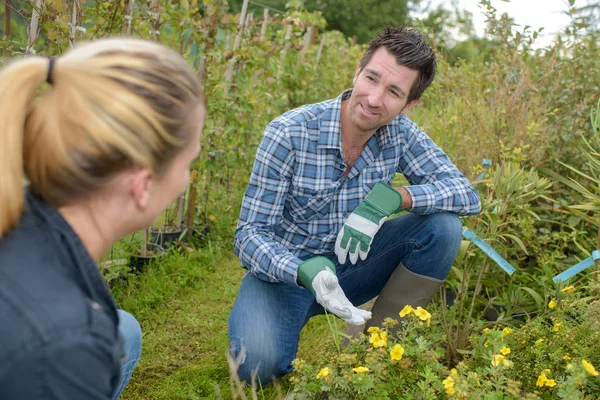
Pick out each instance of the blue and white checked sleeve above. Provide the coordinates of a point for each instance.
(262, 210)
(436, 184)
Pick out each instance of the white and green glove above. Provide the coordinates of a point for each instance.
(318, 275)
(360, 227)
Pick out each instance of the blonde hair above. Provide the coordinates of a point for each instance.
(113, 104)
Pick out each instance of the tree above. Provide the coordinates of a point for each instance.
(360, 19)
(363, 18)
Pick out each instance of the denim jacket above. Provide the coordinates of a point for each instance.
(58, 322)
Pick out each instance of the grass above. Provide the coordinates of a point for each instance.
(182, 304)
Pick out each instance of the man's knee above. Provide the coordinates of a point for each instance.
(446, 227)
(439, 242)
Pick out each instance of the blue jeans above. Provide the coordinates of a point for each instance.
(267, 318)
(130, 330)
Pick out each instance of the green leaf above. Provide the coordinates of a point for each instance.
(518, 241)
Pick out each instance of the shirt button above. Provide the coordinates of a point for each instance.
(96, 306)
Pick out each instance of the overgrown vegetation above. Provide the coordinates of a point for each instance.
(525, 108)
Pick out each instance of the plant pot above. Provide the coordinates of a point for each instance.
(163, 238)
(450, 296)
(495, 309)
(138, 263)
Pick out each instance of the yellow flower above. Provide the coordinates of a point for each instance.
(487, 343)
(550, 383)
(486, 330)
(541, 380)
(506, 332)
(406, 311)
(423, 314)
(397, 352)
(505, 350)
(589, 368)
(360, 370)
(568, 289)
(373, 329)
(378, 339)
(539, 341)
(499, 358)
(556, 327)
(212, 218)
(552, 304)
(567, 357)
(454, 372)
(323, 373)
(450, 391)
(448, 382)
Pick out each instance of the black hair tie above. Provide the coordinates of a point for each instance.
(50, 70)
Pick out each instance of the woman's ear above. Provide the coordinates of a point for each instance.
(140, 184)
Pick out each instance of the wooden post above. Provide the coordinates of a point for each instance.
(32, 30)
(286, 47)
(202, 69)
(236, 45)
(306, 44)
(320, 51)
(249, 21)
(263, 28)
(191, 206)
(180, 207)
(129, 16)
(7, 10)
(144, 248)
(156, 20)
(74, 24)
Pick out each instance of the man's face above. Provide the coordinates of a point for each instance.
(380, 92)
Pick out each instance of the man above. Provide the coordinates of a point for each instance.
(311, 230)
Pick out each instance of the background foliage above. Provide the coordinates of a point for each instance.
(501, 97)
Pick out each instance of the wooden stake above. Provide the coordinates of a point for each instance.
(236, 45)
(74, 24)
(145, 243)
(180, 207)
(32, 30)
(306, 44)
(156, 24)
(320, 51)
(249, 21)
(286, 47)
(191, 207)
(263, 28)
(7, 10)
(202, 69)
(129, 17)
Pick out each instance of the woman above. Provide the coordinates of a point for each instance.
(104, 147)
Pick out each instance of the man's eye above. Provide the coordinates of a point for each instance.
(371, 78)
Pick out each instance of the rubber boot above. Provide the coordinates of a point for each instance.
(402, 288)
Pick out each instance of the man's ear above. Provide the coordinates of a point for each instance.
(140, 183)
(409, 106)
(358, 69)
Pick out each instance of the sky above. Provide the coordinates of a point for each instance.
(536, 13)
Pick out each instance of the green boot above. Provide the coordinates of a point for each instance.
(402, 288)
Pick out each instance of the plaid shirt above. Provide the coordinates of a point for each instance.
(297, 199)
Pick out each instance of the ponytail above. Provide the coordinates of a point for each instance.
(19, 83)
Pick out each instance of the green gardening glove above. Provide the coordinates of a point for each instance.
(360, 227)
(318, 275)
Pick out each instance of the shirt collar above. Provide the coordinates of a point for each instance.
(330, 135)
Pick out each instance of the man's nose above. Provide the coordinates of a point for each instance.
(375, 98)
